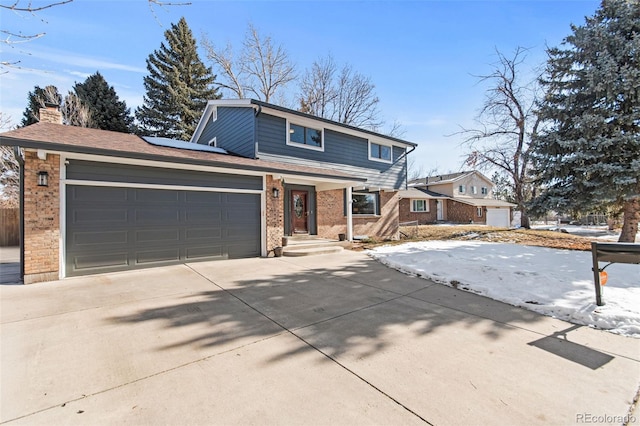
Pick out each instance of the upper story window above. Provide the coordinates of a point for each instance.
(484, 190)
(305, 137)
(462, 189)
(379, 152)
(474, 189)
(419, 206)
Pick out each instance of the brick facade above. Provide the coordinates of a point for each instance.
(386, 226)
(41, 219)
(423, 218)
(464, 213)
(274, 213)
(332, 220)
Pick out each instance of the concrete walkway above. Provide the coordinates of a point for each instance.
(10, 265)
(333, 339)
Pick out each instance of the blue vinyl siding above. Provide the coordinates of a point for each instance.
(233, 130)
(347, 153)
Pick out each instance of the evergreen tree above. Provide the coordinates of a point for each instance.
(177, 88)
(107, 111)
(37, 99)
(588, 152)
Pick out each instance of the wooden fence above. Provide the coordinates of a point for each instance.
(9, 227)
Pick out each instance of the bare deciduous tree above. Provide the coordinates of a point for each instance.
(344, 95)
(507, 123)
(10, 172)
(262, 68)
(74, 112)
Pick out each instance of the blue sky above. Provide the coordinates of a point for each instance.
(421, 55)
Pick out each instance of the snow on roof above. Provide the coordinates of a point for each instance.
(175, 143)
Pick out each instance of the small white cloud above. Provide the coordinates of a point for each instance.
(73, 59)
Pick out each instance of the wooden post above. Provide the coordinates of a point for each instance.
(596, 274)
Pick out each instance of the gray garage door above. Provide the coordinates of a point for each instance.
(113, 228)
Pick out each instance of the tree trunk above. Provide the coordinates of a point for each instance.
(631, 211)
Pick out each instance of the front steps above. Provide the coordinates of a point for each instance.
(311, 245)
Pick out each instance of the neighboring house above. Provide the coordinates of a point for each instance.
(465, 197)
(98, 201)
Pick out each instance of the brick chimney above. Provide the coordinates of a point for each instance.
(50, 114)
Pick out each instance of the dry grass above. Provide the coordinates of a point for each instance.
(529, 237)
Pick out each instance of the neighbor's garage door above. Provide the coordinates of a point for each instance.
(112, 228)
(498, 217)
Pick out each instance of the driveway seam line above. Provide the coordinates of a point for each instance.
(140, 379)
(335, 361)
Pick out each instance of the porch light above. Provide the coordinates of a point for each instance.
(43, 179)
(276, 192)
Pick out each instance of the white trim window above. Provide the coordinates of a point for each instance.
(474, 189)
(419, 206)
(462, 189)
(380, 152)
(365, 203)
(305, 137)
(484, 190)
(479, 211)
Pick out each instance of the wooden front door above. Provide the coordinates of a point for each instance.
(299, 212)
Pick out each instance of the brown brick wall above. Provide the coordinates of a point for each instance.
(463, 213)
(386, 226)
(41, 219)
(332, 221)
(423, 218)
(275, 213)
(330, 216)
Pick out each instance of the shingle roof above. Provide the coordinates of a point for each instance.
(58, 137)
(420, 193)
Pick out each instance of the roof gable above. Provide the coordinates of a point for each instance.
(279, 111)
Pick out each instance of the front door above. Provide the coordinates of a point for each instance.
(299, 213)
(439, 215)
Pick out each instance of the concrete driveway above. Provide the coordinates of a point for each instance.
(333, 339)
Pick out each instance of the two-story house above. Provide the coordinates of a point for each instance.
(96, 201)
(464, 197)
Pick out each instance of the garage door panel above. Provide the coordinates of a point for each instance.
(101, 238)
(236, 250)
(88, 194)
(156, 196)
(203, 234)
(210, 251)
(498, 217)
(211, 198)
(101, 261)
(157, 235)
(157, 256)
(203, 216)
(140, 227)
(91, 216)
(240, 232)
(158, 214)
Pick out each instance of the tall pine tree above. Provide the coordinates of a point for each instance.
(37, 99)
(588, 152)
(108, 112)
(177, 88)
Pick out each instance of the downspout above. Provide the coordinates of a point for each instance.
(406, 166)
(256, 113)
(349, 197)
(17, 153)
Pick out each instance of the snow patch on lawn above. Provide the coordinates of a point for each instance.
(553, 282)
